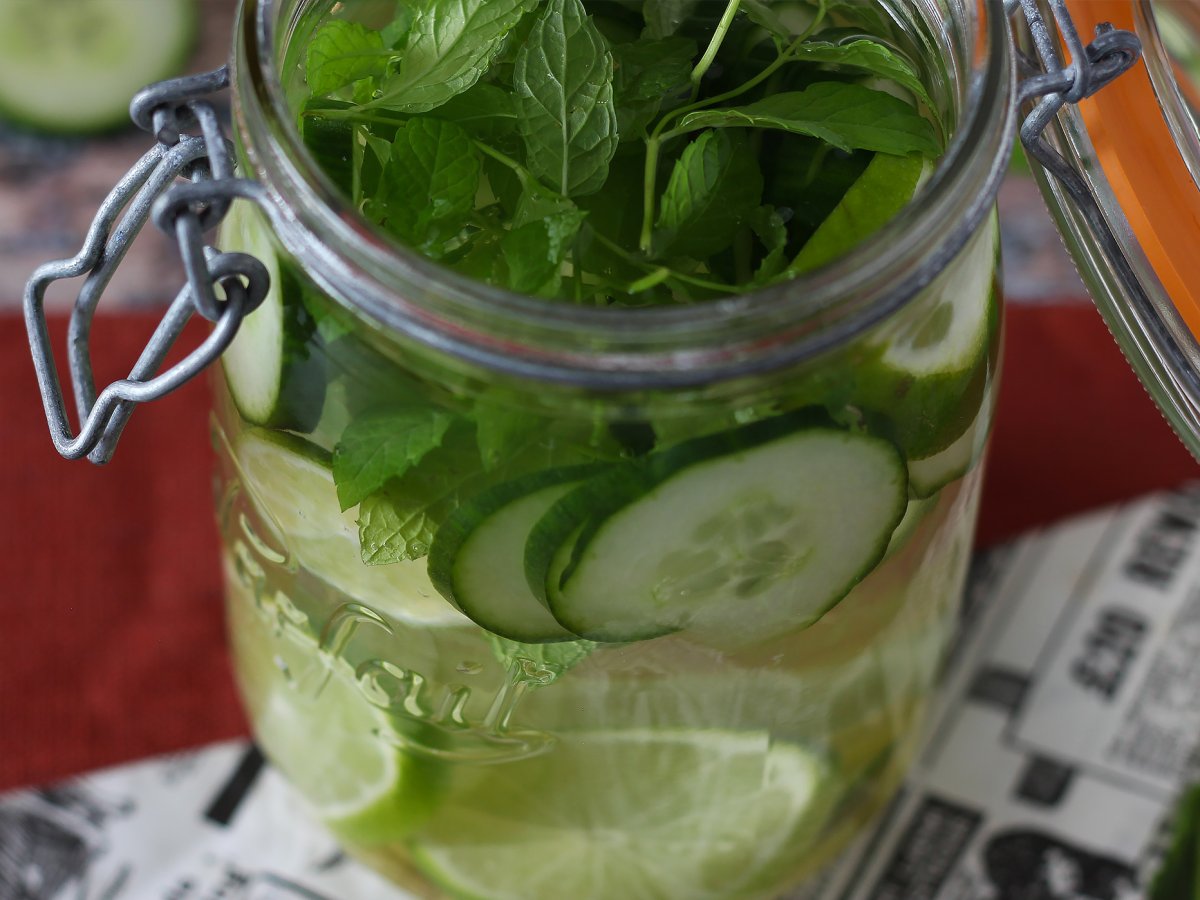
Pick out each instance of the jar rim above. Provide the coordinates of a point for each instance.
(617, 347)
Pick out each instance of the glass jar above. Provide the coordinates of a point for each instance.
(747, 523)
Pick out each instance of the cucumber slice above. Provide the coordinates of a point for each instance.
(72, 67)
(740, 537)
(927, 372)
(291, 482)
(274, 369)
(476, 560)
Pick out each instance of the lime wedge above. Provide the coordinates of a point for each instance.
(342, 754)
(291, 482)
(630, 814)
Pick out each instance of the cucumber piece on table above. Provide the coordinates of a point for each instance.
(274, 368)
(736, 537)
(476, 560)
(73, 67)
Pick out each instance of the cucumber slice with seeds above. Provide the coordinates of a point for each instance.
(72, 67)
(736, 538)
(476, 558)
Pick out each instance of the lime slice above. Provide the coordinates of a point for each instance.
(291, 481)
(628, 814)
(340, 752)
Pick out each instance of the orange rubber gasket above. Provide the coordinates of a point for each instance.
(1148, 176)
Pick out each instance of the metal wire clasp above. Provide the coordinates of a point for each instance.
(171, 110)
(1110, 54)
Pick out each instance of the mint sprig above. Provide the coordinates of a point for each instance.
(564, 94)
(846, 116)
(500, 114)
(378, 447)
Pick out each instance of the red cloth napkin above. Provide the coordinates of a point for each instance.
(110, 621)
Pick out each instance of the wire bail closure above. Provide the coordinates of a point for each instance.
(190, 145)
(1111, 53)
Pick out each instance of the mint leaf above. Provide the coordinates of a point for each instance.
(540, 663)
(770, 228)
(848, 116)
(867, 15)
(868, 56)
(646, 70)
(378, 447)
(399, 522)
(537, 203)
(501, 430)
(448, 48)
(887, 184)
(395, 32)
(535, 252)
(427, 189)
(761, 13)
(713, 189)
(663, 17)
(564, 91)
(486, 112)
(341, 53)
(483, 258)
(647, 76)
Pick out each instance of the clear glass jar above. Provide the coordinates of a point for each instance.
(776, 494)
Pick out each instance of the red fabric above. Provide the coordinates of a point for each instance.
(111, 644)
(1075, 429)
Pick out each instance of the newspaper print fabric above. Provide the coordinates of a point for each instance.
(1069, 716)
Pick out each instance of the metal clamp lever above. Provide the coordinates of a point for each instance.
(184, 209)
(1111, 53)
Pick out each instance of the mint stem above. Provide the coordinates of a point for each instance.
(648, 192)
(660, 134)
(714, 46)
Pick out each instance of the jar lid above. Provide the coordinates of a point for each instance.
(1129, 212)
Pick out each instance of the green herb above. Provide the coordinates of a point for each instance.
(502, 430)
(447, 49)
(427, 189)
(770, 228)
(663, 17)
(867, 56)
(486, 112)
(535, 252)
(342, 53)
(649, 76)
(563, 82)
(399, 521)
(539, 662)
(847, 116)
(378, 447)
(691, 159)
(713, 189)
